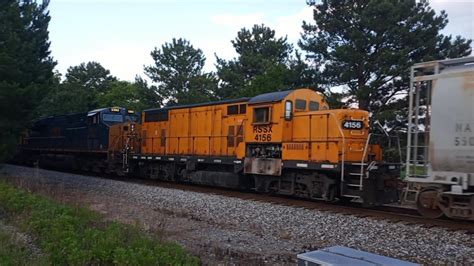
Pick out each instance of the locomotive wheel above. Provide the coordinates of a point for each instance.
(427, 203)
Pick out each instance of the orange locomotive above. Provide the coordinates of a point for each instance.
(286, 142)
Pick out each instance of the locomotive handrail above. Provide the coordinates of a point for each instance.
(56, 143)
(363, 159)
(366, 147)
(55, 137)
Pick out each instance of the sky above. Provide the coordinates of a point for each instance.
(121, 34)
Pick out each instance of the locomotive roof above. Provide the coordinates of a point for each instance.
(89, 113)
(95, 111)
(153, 110)
(262, 98)
(270, 97)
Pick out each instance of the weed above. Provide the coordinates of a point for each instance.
(13, 251)
(78, 236)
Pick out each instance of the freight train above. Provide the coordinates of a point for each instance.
(286, 143)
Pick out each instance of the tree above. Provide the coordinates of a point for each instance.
(136, 96)
(264, 64)
(26, 67)
(368, 47)
(148, 94)
(178, 71)
(80, 91)
(91, 75)
(92, 78)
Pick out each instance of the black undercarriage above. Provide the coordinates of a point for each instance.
(313, 182)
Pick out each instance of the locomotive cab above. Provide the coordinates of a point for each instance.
(296, 145)
(298, 126)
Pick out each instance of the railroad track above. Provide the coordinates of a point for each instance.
(388, 213)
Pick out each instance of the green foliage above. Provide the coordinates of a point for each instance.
(26, 67)
(148, 95)
(76, 236)
(264, 64)
(178, 70)
(89, 86)
(13, 252)
(80, 91)
(135, 96)
(368, 47)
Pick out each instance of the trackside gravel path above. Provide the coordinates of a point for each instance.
(232, 230)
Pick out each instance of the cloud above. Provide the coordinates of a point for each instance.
(225, 28)
(238, 21)
(290, 25)
(286, 25)
(123, 61)
(460, 16)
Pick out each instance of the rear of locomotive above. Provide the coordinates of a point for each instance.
(440, 144)
(296, 146)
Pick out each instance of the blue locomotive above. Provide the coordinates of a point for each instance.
(89, 141)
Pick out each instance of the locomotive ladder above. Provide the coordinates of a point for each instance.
(125, 154)
(361, 174)
(418, 130)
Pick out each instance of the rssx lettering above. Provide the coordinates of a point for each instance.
(263, 133)
(262, 129)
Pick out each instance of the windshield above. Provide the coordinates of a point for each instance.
(131, 118)
(112, 118)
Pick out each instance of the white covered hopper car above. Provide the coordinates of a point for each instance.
(440, 144)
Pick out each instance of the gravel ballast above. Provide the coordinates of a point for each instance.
(267, 232)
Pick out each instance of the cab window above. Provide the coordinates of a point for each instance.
(232, 109)
(236, 109)
(313, 106)
(288, 110)
(261, 115)
(112, 118)
(131, 118)
(242, 109)
(300, 105)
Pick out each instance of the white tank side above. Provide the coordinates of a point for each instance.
(452, 121)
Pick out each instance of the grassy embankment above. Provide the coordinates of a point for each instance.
(76, 236)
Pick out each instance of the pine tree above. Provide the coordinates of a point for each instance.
(368, 46)
(26, 67)
(264, 64)
(80, 91)
(178, 72)
(136, 96)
